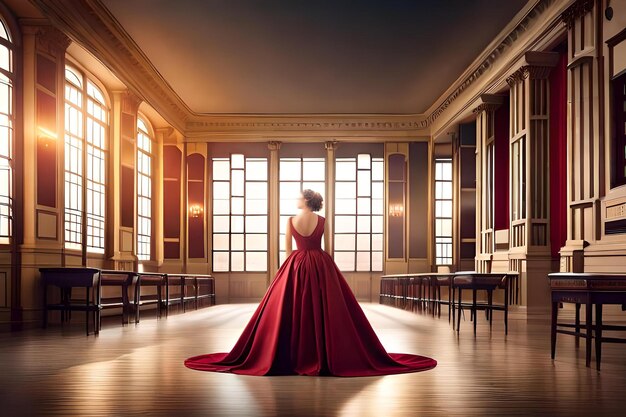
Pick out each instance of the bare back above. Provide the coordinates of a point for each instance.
(305, 223)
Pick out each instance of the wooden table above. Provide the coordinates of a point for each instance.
(590, 290)
(66, 279)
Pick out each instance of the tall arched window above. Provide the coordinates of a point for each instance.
(144, 189)
(86, 122)
(7, 78)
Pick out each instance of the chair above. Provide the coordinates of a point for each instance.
(66, 279)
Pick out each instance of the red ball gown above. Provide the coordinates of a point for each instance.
(309, 323)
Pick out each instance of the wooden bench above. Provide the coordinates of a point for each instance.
(124, 280)
(187, 282)
(477, 281)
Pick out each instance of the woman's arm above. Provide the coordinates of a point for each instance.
(288, 249)
(327, 239)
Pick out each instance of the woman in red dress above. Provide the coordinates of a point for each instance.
(309, 322)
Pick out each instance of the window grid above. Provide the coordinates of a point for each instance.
(443, 211)
(297, 174)
(144, 191)
(7, 78)
(359, 205)
(239, 214)
(85, 163)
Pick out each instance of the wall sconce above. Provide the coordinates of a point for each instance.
(195, 211)
(396, 210)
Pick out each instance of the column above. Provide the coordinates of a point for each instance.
(529, 251)
(273, 234)
(122, 176)
(42, 165)
(485, 169)
(585, 133)
(331, 147)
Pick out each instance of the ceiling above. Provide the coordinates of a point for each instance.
(303, 56)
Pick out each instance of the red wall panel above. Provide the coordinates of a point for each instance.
(195, 196)
(172, 162)
(501, 168)
(558, 155)
(46, 150)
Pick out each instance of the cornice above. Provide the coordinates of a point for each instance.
(536, 65)
(576, 10)
(90, 24)
(319, 123)
(487, 59)
(489, 102)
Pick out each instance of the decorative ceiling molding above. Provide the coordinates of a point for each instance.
(89, 23)
(489, 102)
(536, 65)
(576, 10)
(304, 122)
(480, 68)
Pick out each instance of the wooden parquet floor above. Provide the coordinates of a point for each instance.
(139, 371)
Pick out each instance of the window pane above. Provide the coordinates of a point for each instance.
(364, 161)
(256, 224)
(221, 170)
(256, 261)
(363, 261)
(256, 242)
(345, 224)
(345, 206)
(345, 260)
(220, 261)
(345, 242)
(290, 170)
(256, 169)
(221, 242)
(345, 190)
(314, 170)
(345, 170)
(236, 259)
(236, 241)
(221, 224)
(237, 161)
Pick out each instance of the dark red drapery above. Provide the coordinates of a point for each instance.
(501, 168)
(558, 152)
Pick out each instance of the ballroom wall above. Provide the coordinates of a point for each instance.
(551, 204)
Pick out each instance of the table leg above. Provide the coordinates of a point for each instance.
(87, 310)
(598, 335)
(474, 310)
(555, 316)
(45, 306)
(489, 308)
(588, 333)
(577, 325)
(506, 312)
(450, 304)
(458, 323)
